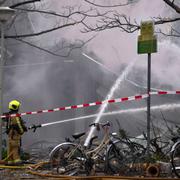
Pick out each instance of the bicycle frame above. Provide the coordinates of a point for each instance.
(105, 141)
(87, 157)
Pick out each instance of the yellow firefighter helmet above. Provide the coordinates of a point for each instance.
(14, 105)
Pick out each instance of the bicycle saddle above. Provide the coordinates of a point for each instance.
(78, 135)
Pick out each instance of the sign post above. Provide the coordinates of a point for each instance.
(147, 44)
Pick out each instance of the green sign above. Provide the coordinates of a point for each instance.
(147, 41)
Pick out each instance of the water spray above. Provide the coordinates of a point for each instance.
(132, 110)
(117, 83)
(144, 87)
(109, 96)
(109, 70)
(100, 64)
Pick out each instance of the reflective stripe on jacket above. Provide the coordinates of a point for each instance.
(16, 122)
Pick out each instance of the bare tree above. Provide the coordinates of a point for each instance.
(70, 17)
(114, 19)
(73, 16)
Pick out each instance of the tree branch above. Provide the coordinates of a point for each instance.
(23, 3)
(173, 33)
(48, 12)
(103, 6)
(118, 21)
(84, 13)
(166, 20)
(172, 5)
(38, 47)
(77, 45)
(42, 32)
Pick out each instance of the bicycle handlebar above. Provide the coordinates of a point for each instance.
(100, 124)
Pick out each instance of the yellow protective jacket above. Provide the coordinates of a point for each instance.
(16, 124)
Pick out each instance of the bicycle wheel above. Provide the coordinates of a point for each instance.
(117, 158)
(67, 159)
(175, 159)
(121, 156)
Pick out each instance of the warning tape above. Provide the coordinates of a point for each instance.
(130, 98)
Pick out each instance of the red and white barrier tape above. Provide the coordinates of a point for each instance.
(137, 97)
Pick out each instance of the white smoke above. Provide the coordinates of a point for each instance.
(42, 87)
(114, 47)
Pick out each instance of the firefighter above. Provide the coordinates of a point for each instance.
(15, 128)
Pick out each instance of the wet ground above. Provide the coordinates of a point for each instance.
(9, 174)
(18, 174)
(41, 170)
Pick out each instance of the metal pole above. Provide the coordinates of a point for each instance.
(148, 104)
(1, 83)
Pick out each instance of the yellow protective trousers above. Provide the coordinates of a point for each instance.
(13, 153)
